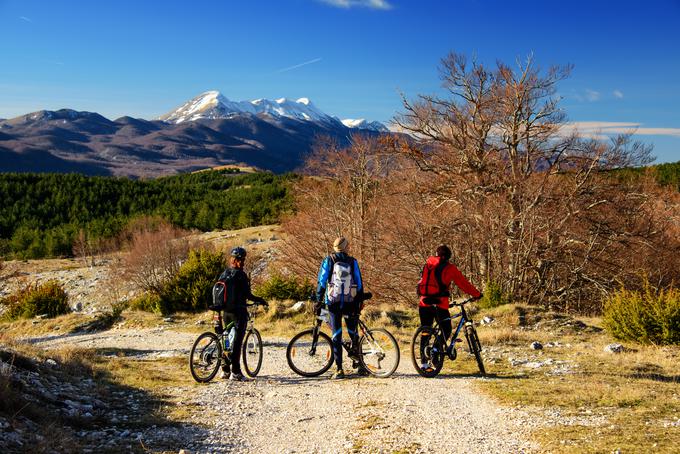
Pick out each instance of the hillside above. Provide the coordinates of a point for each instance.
(42, 214)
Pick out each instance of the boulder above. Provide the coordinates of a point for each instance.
(299, 306)
(535, 345)
(614, 348)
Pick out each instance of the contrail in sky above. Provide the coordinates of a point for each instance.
(297, 66)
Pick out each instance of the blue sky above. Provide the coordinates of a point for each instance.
(352, 58)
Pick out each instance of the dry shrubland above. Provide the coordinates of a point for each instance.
(156, 250)
(490, 170)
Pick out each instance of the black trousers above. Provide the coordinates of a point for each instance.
(240, 319)
(428, 314)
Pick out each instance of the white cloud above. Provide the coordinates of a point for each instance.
(592, 95)
(26, 19)
(283, 70)
(373, 4)
(618, 94)
(604, 129)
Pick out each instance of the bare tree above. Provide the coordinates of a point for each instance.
(495, 146)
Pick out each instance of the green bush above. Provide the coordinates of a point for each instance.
(191, 288)
(49, 299)
(494, 296)
(280, 287)
(148, 302)
(649, 316)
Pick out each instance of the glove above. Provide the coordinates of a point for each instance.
(319, 295)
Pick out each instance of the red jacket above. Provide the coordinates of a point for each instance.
(450, 274)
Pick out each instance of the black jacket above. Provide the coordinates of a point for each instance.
(242, 291)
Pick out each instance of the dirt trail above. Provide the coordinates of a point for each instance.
(282, 412)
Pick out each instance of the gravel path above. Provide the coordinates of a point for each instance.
(282, 412)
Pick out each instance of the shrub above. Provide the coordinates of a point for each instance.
(148, 302)
(191, 288)
(48, 298)
(494, 296)
(281, 287)
(648, 316)
(156, 251)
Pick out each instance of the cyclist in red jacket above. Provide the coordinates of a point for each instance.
(433, 288)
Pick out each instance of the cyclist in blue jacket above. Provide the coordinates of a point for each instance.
(339, 287)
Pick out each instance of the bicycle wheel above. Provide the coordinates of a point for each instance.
(427, 351)
(205, 357)
(475, 347)
(251, 351)
(379, 352)
(309, 357)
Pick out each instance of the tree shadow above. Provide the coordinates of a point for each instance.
(656, 377)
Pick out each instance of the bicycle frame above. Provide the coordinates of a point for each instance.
(464, 320)
(217, 317)
(324, 316)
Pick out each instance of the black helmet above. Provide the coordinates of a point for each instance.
(238, 253)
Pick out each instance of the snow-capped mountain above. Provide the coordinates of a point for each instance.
(361, 123)
(205, 132)
(213, 105)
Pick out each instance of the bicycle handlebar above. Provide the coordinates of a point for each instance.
(469, 300)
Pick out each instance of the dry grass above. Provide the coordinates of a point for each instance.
(605, 401)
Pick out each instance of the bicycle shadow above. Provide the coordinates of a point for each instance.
(488, 376)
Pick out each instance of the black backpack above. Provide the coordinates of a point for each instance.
(223, 291)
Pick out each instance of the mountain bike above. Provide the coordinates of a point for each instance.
(310, 352)
(212, 348)
(429, 347)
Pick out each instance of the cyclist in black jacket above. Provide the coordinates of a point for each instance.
(242, 293)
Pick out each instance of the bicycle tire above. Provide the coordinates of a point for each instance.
(205, 357)
(251, 352)
(434, 359)
(475, 347)
(373, 350)
(307, 358)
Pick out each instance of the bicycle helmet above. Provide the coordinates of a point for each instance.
(238, 253)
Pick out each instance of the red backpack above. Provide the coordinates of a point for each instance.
(430, 284)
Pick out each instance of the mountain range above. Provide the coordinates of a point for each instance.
(206, 131)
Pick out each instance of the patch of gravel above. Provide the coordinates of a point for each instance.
(280, 412)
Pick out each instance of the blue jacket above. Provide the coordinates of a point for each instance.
(325, 274)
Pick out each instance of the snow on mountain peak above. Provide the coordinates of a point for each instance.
(361, 123)
(213, 105)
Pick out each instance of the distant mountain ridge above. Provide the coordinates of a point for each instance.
(214, 105)
(207, 131)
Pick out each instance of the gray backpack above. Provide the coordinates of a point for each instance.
(341, 286)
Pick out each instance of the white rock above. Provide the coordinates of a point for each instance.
(535, 345)
(299, 306)
(614, 348)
